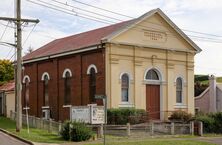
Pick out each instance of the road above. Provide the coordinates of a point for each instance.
(8, 140)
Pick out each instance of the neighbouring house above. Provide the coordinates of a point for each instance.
(7, 98)
(211, 99)
(146, 63)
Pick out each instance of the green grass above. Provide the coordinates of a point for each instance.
(158, 142)
(35, 135)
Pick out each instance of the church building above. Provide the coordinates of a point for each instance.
(145, 63)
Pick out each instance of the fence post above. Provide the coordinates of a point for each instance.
(50, 126)
(200, 128)
(11, 115)
(192, 128)
(152, 128)
(172, 128)
(60, 126)
(41, 123)
(100, 131)
(128, 129)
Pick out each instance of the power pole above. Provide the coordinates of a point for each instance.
(18, 20)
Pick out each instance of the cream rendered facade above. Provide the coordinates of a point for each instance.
(151, 43)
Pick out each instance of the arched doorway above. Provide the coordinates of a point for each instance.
(153, 80)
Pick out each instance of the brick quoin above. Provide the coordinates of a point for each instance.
(78, 64)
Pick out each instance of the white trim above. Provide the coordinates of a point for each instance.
(180, 106)
(126, 105)
(45, 107)
(129, 74)
(64, 73)
(202, 94)
(159, 73)
(26, 108)
(61, 54)
(43, 75)
(67, 106)
(91, 66)
(26, 77)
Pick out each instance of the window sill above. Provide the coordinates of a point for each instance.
(26, 108)
(125, 105)
(45, 107)
(67, 106)
(180, 106)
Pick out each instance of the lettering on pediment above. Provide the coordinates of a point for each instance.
(155, 36)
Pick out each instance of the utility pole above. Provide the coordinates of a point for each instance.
(18, 21)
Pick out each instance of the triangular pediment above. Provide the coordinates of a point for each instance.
(154, 29)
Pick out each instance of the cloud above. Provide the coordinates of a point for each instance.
(198, 15)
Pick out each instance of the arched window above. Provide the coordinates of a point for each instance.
(92, 84)
(46, 90)
(152, 75)
(125, 88)
(26, 85)
(179, 90)
(67, 88)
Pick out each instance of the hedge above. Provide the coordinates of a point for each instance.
(126, 115)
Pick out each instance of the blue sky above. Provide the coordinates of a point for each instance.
(197, 15)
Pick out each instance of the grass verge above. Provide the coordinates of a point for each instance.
(35, 135)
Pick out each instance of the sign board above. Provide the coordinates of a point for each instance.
(89, 114)
(97, 115)
(80, 113)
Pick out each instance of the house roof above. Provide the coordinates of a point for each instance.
(97, 36)
(10, 86)
(219, 85)
(75, 42)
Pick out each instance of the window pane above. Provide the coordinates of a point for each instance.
(125, 88)
(92, 85)
(152, 75)
(67, 89)
(46, 95)
(179, 90)
(26, 92)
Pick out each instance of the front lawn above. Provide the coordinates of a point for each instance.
(35, 135)
(159, 142)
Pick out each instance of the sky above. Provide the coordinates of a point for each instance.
(196, 15)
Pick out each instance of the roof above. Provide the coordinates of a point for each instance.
(10, 86)
(75, 42)
(97, 36)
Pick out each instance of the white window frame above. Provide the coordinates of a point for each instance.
(91, 66)
(43, 75)
(26, 77)
(179, 105)
(64, 73)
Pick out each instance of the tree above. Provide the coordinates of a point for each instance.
(6, 71)
(29, 50)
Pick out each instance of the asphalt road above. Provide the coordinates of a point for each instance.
(8, 140)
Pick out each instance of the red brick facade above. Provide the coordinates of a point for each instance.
(78, 64)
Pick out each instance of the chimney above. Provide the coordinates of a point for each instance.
(213, 102)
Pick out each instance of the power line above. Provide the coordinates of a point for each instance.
(134, 18)
(29, 34)
(4, 31)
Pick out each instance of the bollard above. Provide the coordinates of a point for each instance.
(128, 129)
(172, 128)
(100, 131)
(60, 126)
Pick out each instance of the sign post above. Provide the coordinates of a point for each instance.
(105, 116)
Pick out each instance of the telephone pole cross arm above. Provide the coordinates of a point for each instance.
(18, 21)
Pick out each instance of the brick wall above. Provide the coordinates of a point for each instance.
(78, 64)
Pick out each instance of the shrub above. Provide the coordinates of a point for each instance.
(212, 122)
(65, 130)
(76, 131)
(126, 115)
(180, 116)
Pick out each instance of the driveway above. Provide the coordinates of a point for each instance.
(8, 140)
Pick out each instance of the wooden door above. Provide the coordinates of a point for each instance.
(153, 101)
